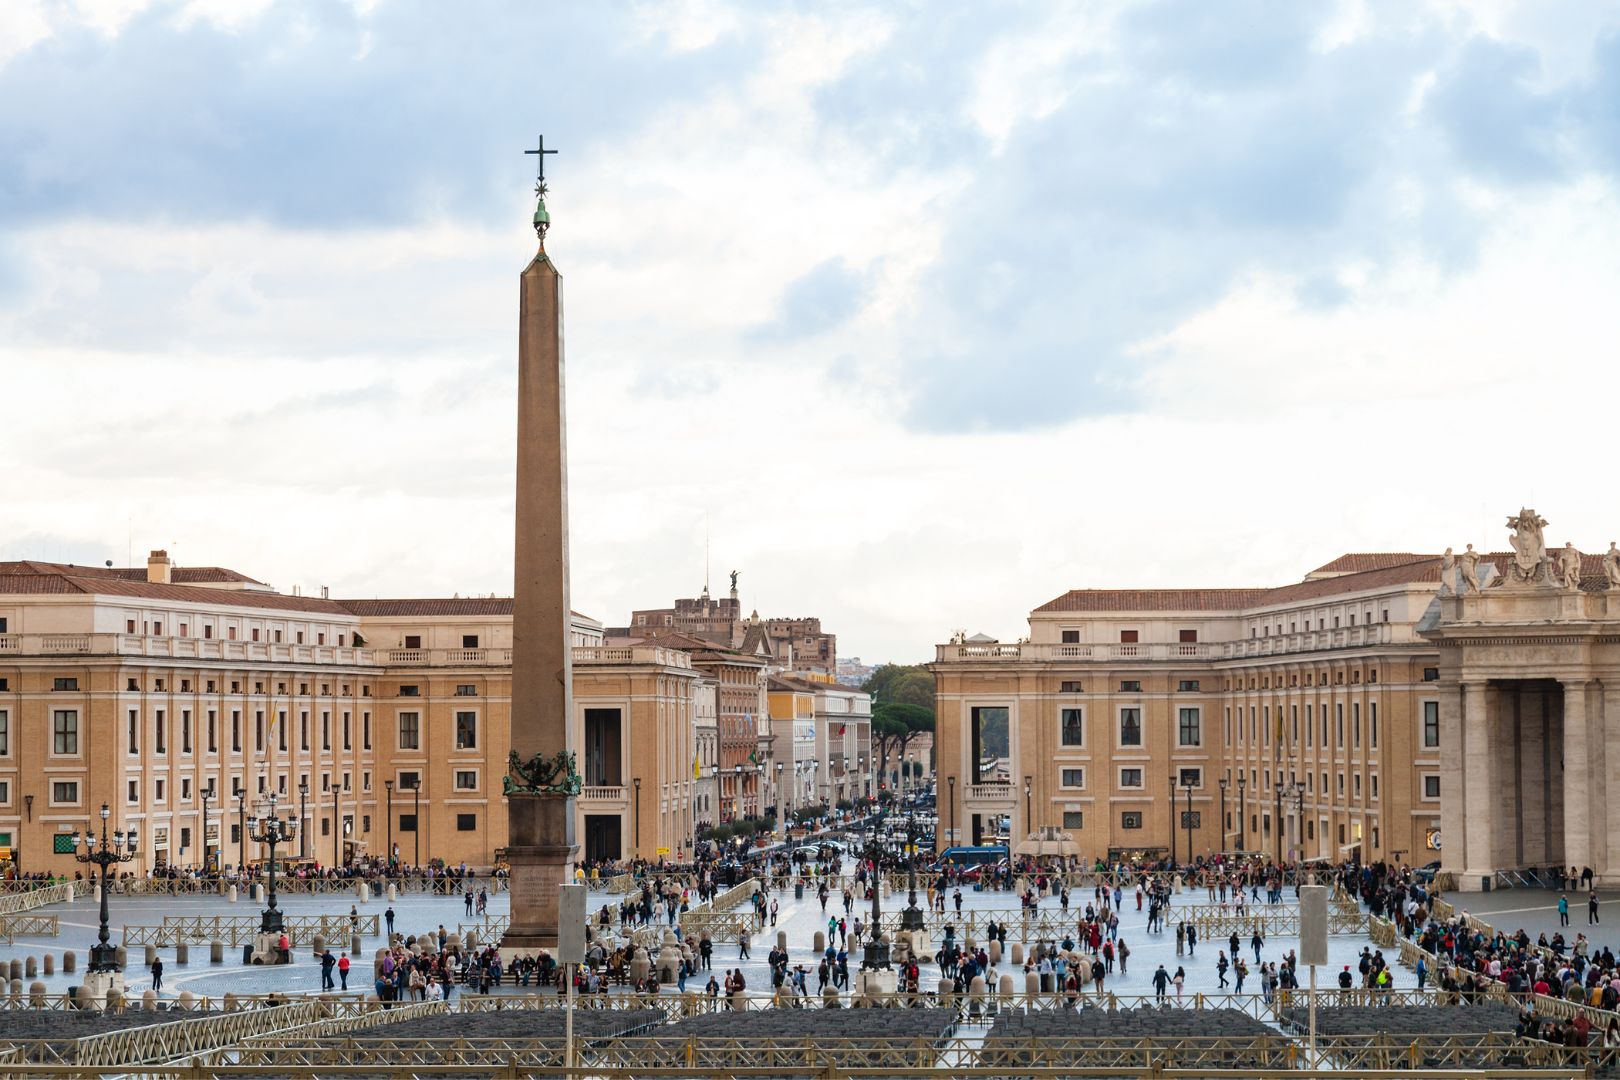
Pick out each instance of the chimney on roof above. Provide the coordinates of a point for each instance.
(158, 567)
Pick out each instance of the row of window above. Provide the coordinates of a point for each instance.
(1263, 682)
(71, 683)
(1072, 727)
(1126, 686)
(154, 628)
(1130, 778)
(1260, 729)
(1132, 637)
(1259, 788)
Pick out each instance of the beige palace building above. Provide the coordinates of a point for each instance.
(1302, 719)
(172, 691)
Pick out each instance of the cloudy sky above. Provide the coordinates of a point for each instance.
(925, 313)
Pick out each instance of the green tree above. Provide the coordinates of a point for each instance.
(911, 684)
(894, 725)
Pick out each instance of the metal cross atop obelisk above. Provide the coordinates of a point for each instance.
(542, 782)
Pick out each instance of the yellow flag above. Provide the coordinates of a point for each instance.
(697, 770)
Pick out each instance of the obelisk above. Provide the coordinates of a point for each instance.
(540, 815)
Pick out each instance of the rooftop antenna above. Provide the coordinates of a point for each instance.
(705, 554)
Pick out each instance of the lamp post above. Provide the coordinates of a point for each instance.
(388, 852)
(912, 917)
(303, 815)
(950, 782)
(736, 793)
(1173, 821)
(241, 830)
(877, 952)
(204, 793)
(1189, 824)
(104, 955)
(272, 830)
(1299, 824)
(1241, 822)
(348, 829)
(637, 782)
(781, 814)
(1277, 822)
(416, 814)
(1029, 824)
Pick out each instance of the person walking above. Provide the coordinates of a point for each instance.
(328, 962)
(1161, 979)
(388, 917)
(1591, 908)
(343, 970)
(1563, 910)
(157, 974)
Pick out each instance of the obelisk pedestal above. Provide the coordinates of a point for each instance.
(540, 847)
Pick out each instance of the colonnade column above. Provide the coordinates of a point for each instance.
(1453, 792)
(1578, 782)
(1609, 696)
(1481, 767)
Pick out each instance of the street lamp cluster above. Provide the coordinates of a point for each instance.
(116, 847)
(266, 828)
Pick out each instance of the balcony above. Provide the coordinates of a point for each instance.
(598, 797)
(1152, 651)
(181, 648)
(990, 796)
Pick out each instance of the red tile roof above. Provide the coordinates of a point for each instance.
(1153, 600)
(1360, 561)
(472, 605)
(37, 579)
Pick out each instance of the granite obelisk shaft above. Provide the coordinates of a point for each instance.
(541, 828)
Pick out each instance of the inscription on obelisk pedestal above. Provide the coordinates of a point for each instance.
(541, 780)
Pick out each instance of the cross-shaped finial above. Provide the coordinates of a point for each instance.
(540, 158)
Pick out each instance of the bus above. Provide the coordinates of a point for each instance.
(974, 856)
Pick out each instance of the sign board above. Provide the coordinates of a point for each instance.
(5, 854)
(1431, 839)
(571, 924)
(1313, 925)
(663, 851)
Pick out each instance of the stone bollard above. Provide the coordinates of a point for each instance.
(188, 1000)
(1006, 989)
(16, 990)
(182, 952)
(781, 940)
(354, 944)
(1032, 983)
(216, 952)
(232, 893)
(151, 955)
(393, 892)
(120, 957)
(36, 995)
(70, 961)
(1018, 952)
(318, 946)
(15, 969)
(93, 1003)
(947, 991)
(995, 952)
(30, 968)
(472, 939)
(885, 888)
(115, 1001)
(829, 996)
(639, 966)
(50, 963)
(230, 1002)
(821, 943)
(149, 1001)
(976, 990)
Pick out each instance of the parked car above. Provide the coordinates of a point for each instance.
(1426, 872)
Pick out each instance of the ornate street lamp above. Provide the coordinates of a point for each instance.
(877, 952)
(1241, 810)
(1173, 822)
(272, 830)
(637, 782)
(1222, 782)
(204, 793)
(950, 782)
(1189, 823)
(416, 814)
(104, 955)
(388, 852)
(1277, 822)
(912, 917)
(303, 804)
